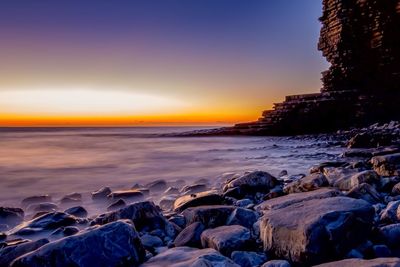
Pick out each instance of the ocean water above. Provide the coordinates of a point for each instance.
(58, 161)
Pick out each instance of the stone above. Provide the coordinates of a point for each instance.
(46, 206)
(317, 230)
(113, 244)
(243, 217)
(210, 216)
(365, 192)
(386, 165)
(178, 219)
(157, 186)
(381, 251)
(189, 257)
(257, 181)
(378, 262)
(11, 252)
(197, 199)
(101, 194)
(368, 176)
(282, 202)
(171, 191)
(167, 202)
(128, 195)
(68, 200)
(190, 236)
(227, 239)
(120, 203)
(244, 202)
(11, 216)
(369, 140)
(77, 211)
(396, 189)
(193, 189)
(340, 177)
(150, 241)
(248, 259)
(389, 214)
(65, 231)
(276, 263)
(308, 183)
(35, 200)
(390, 234)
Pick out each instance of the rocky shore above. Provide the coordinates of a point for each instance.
(341, 213)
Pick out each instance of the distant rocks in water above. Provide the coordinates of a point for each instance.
(197, 199)
(157, 186)
(35, 200)
(132, 194)
(77, 211)
(9, 253)
(190, 236)
(101, 194)
(120, 203)
(71, 199)
(46, 206)
(193, 189)
(11, 216)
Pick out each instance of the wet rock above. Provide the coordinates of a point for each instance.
(129, 195)
(389, 214)
(328, 165)
(257, 181)
(190, 236)
(314, 231)
(120, 203)
(365, 192)
(210, 216)
(308, 183)
(48, 221)
(171, 191)
(114, 244)
(167, 202)
(46, 206)
(396, 189)
(378, 262)
(157, 186)
(390, 234)
(275, 192)
(11, 216)
(186, 256)
(197, 199)
(150, 241)
(65, 231)
(248, 259)
(368, 176)
(10, 253)
(101, 194)
(381, 251)
(244, 202)
(70, 201)
(178, 219)
(386, 165)
(243, 217)
(193, 189)
(282, 202)
(388, 184)
(77, 211)
(35, 199)
(227, 239)
(354, 253)
(369, 140)
(276, 263)
(340, 177)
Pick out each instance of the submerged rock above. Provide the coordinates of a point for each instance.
(102, 193)
(11, 216)
(77, 211)
(10, 253)
(197, 199)
(157, 186)
(120, 203)
(190, 236)
(189, 257)
(46, 206)
(114, 244)
(35, 200)
(317, 230)
(132, 194)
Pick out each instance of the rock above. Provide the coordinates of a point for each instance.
(35, 199)
(243, 217)
(193, 189)
(11, 216)
(70, 201)
(102, 193)
(178, 219)
(227, 239)
(197, 199)
(365, 192)
(77, 211)
(144, 215)
(120, 203)
(389, 214)
(257, 181)
(381, 251)
(190, 236)
(133, 194)
(65, 231)
(386, 165)
(171, 191)
(275, 192)
(46, 206)
(328, 165)
(369, 140)
(354, 253)
(189, 257)
(390, 234)
(10, 253)
(248, 259)
(244, 202)
(157, 186)
(48, 221)
(396, 189)
(151, 241)
(282, 202)
(378, 262)
(308, 183)
(313, 231)
(167, 202)
(113, 244)
(368, 176)
(283, 173)
(276, 263)
(210, 216)
(340, 177)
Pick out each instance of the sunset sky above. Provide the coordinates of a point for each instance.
(154, 62)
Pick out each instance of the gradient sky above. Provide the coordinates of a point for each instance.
(154, 61)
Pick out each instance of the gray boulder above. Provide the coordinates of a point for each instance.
(114, 244)
(101, 194)
(389, 214)
(197, 199)
(11, 216)
(77, 211)
(308, 183)
(35, 200)
(156, 186)
(276, 263)
(190, 236)
(243, 217)
(129, 195)
(10, 253)
(390, 235)
(378, 262)
(227, 239)
(209, 216)
(368, 176)
(317, 230)
(189, 257)
(258, 181)
(248, 259)
(366, 192)
(386, 165)
(193, 189)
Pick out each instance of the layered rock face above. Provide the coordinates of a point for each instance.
(361, 41)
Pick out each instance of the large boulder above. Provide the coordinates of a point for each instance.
(276, 263)
(114, 244)
(101, 194)
(389, 214)
(378, 262)
(244, 217)
(197, 199)
(256, 181)
(366, 192)
(390, 235)
(11, 216)
(387, 165)
(190, 236)
(209, 216)
(248, 258)
(317, 230)
(10, 253)
(308, 183)
(339, 177)
(370, 177)
(284, 201)
(189, 257)
(227, 239)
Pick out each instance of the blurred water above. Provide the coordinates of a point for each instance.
(58, 161)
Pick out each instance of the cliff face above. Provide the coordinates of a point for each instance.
(361, 41)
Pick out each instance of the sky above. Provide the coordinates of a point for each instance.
(154, 62)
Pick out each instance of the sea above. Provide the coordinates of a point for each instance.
(59, 161)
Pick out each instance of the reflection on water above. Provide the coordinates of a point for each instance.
(60, 161)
